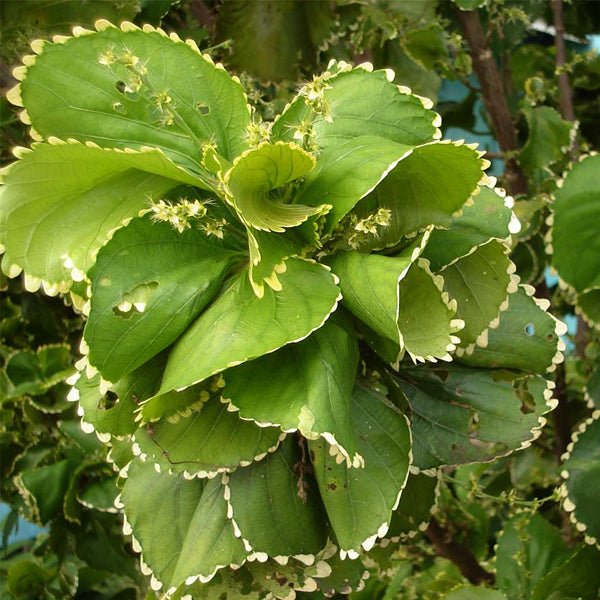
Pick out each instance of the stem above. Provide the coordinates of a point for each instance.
(494, 97)
(561, 418)
(564, 86)
(460, 555)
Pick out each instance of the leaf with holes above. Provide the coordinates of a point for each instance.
(124, 89)
(462, 415)
(526, 338)
(148, 284)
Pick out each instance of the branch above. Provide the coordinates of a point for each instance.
(460, 555)
(494, 97)
(564, 86)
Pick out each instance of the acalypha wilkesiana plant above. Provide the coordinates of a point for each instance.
(289, 323)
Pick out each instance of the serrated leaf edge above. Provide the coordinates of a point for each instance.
(567, 503)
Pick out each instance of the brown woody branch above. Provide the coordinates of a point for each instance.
(494, 97)
(564, 86)
(460, 555)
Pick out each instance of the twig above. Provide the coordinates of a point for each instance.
(564, 86)
(460, 555)
(494, 97)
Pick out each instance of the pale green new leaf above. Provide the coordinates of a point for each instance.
(582, 471)
(359, 502)
(304, 386)
(426, 188)
(276, 505)
(181, 525)
(59, 204)
(487, 218)
(239, 326)
(148, 284)
(353, 103)
(527, 338)
(575, 239)
(125, 89)
(211, 439)
(260, 171)
(462, 415)
(346, 172)
(479, 283)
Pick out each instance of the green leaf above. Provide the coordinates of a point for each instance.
(488, 217)
(239, 326)
(419, 496)
(43, 489)
(462, 415)
(100, 495)
(60, 203)
(181, 525)
(290, 32)
(276, 506)
(211, 440)
(472, 592)
(346, 576)
(269, 252)
(589, 304)
(28, 579)
(528, 548)
(581, 469)
(346, 172)
(550, 138)
(34, 373)
(575, 240)
(148, 284)
(58, 16)
(577, 577)
(426, 316)
(428, 187)
(370, 286)
(359, 502)
(527, 337)
(262, 170)
(304, 386)
(346, 100)
(173, 404)
(124, 89)
(479, 282)
(97, 412)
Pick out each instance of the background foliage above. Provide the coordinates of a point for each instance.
(524, 525)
